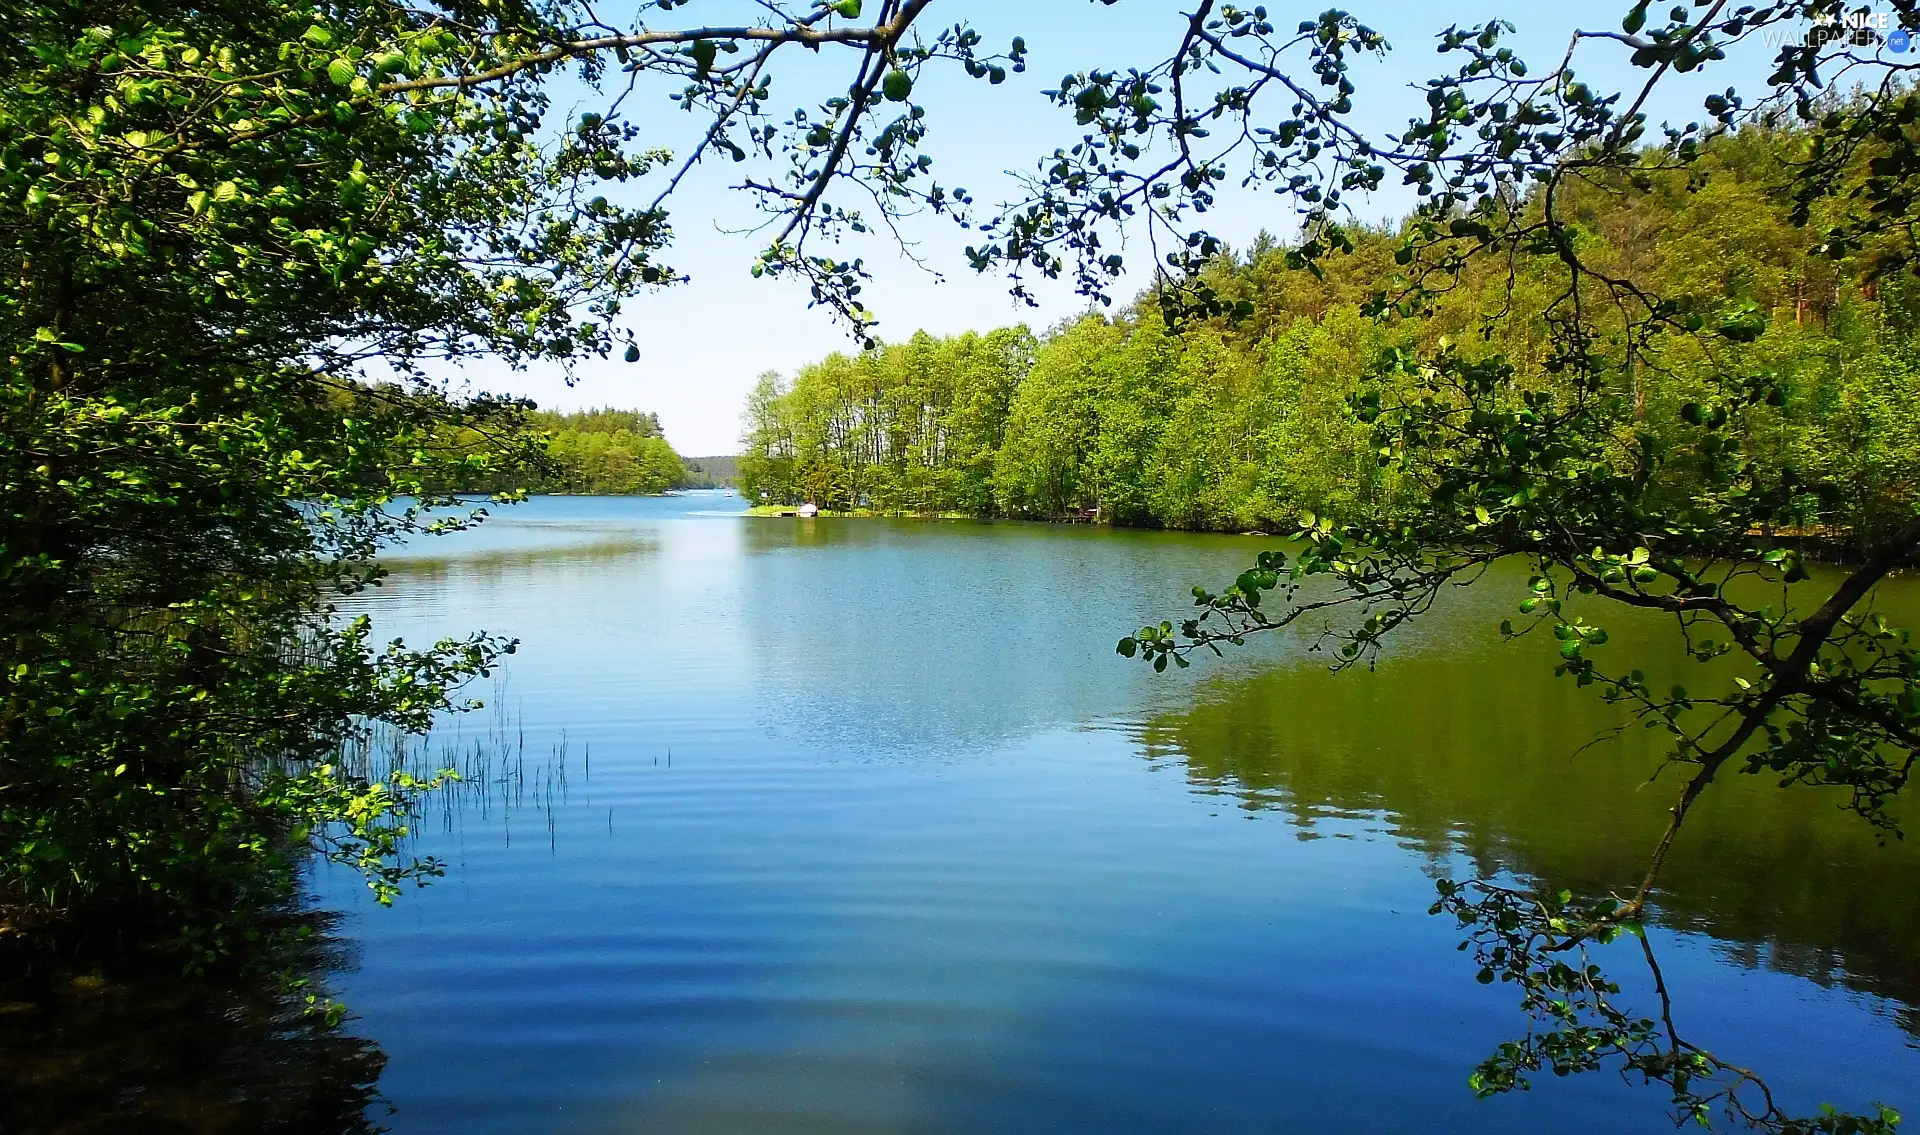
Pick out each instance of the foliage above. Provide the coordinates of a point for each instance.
(913, 427)
(1244, 422)
(240, 236)
(1640, 432)
(240, 239)
(604, 452)
(612, 463)
(711, 472)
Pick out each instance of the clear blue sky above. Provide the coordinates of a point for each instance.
(704, 343)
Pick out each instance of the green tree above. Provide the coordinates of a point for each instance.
(221, 225)
(990, 369)
(604, 451)
(1612, 498)
(768, 453)
(1053, 423)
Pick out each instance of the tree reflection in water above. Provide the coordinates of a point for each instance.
(93, 1043)
(1536, 941)
(1469, 756)
(101, 1032)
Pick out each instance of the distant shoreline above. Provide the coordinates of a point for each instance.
(791, 511)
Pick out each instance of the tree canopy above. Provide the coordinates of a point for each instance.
(1245, 420)
(245, 238)
(604, 451)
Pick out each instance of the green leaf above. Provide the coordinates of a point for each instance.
(703, 52)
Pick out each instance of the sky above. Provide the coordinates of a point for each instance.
(705, 342)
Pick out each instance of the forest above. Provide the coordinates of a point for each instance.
(606, 451)
(1245, 420)
(1624, 342)
(602, 452)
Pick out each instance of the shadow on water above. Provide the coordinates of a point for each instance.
(89, 1045)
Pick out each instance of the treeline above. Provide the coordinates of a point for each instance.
(606, 451)
(1246, 421)
(603, 451)
(711, 472)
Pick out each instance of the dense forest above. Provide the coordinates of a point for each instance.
(711, 472)
(1244, 421)
(607, 451)
(602, 452)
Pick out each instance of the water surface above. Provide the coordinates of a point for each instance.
(861, 826)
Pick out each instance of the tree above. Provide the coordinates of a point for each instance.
(1053, 423)
(217, 217)
(1611, 502)
(605, 451)
(239, 237)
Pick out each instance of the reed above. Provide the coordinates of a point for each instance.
(488, 771)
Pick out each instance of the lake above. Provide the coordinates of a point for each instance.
(862, 826)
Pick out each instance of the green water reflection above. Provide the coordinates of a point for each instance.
(1476, 748)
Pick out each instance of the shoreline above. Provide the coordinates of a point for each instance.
(1818, 548)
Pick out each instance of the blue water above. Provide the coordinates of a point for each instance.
(861, 826)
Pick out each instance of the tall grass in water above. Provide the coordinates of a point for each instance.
(490, 772)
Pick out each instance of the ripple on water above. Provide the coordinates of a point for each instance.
(879, 835)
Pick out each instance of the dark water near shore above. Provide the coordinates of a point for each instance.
(861, 826)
